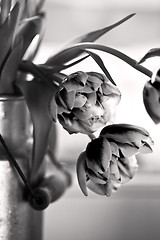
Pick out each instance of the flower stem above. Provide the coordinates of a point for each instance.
(37, 198)
(84, 46)
(13, 160)
(132, 62)
(91, 136)
(30, 67)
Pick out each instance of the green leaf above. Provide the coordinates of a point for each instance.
(33, 48)
(53, 109)
(93, 36)
(38, 95)
(52, 144)
(90, 37)
(5, 9)
(154, 52)
(9, 71)
(7, 31)
(29, 29)
(85, 46)
(39, 5)
(33, 7)
(100, 63)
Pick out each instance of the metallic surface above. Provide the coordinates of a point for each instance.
(18, 221)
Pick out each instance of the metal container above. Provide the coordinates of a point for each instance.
(18, 221)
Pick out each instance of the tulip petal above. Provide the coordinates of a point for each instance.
(151, 102)
(106, 154)
(91, 99)
(114, 170)
(145, 148)
(67, 98)
(127, 149)
(61, 106)
(109, 89)
(75, 81)
(94, 80)
(81, 172)
(83, 113)
(71, 125)
(80, 100)
(106, 174)
(123, 170)
(95, 177)
(127, 167)
(125, 133)
(108, 188)
(94, 153)
(98, 154)
(114, 148)
(115, 186)
(110, 101)
(92, 114)
(96, 188)
(85, 89)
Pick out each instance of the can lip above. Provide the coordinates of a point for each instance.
(11, 97)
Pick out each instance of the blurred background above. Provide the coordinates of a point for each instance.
(134, 211)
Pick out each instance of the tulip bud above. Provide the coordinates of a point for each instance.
(151, 96)
(109, 160)
(86, 102)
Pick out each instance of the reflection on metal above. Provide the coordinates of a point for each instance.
(18, 221)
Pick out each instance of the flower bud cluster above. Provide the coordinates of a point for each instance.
(109, 160)
(86, 101)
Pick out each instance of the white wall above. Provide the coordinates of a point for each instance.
(134, 211)
(67, 19)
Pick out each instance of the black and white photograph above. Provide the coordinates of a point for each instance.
(79, 120)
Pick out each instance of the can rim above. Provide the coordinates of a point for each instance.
(11, 97)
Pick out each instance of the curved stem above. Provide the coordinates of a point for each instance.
(132, 62)
(84, 46)
(19, 170)
(30, 67)
(91, 136)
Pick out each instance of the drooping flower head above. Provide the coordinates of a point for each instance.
(86, 101)
(109, 160)
(151, 96)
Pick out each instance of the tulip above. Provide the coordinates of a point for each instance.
(86, 102)
(109, 160)
(151, 97)
(129, 138)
